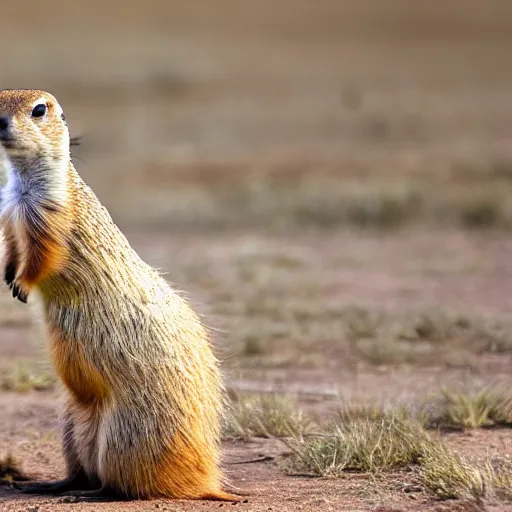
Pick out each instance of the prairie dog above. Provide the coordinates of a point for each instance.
(144, 393)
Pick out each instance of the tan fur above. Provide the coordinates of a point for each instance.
(144, 390)
(81, 378)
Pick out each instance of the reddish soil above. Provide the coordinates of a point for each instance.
(30, 423)
(29, 420)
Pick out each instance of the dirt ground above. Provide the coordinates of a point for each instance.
(219, 135)
(29, 420)
(265, 487)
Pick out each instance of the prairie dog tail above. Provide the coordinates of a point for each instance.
(221, 496)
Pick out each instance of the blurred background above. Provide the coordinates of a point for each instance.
(330, 181)
(214, 115)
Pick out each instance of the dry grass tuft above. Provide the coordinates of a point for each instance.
(363, 444)
(9, 471)
(349, 413)
(264, 416)
(502, 471)
(459, 409)
(449, 476)
(373, 441)
(23, 377)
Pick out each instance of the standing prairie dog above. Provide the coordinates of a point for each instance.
(144, 394)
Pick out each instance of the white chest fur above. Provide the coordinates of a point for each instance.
(11, 198)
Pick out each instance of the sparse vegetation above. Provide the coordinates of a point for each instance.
(450, 476)
(423, 337)
(325, 198)
(9, 470)
(24, 377)
(462, 409)
(446, 410)
(284, 196)
(267, 415)
(373, 412)
(370, 444)
(383, 442)
(268, 327)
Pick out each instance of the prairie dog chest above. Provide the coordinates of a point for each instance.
(12, 214)
(19, 205)
(11, 198)
(27, 195)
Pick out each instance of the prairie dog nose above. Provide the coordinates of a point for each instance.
(4, 123)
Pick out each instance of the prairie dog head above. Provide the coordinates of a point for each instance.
(33, 129)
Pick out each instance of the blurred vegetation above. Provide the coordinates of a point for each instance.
(315, 199)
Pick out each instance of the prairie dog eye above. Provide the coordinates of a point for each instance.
(39, 110)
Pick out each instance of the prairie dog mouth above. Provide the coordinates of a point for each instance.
(11, 150)
(9, 143)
